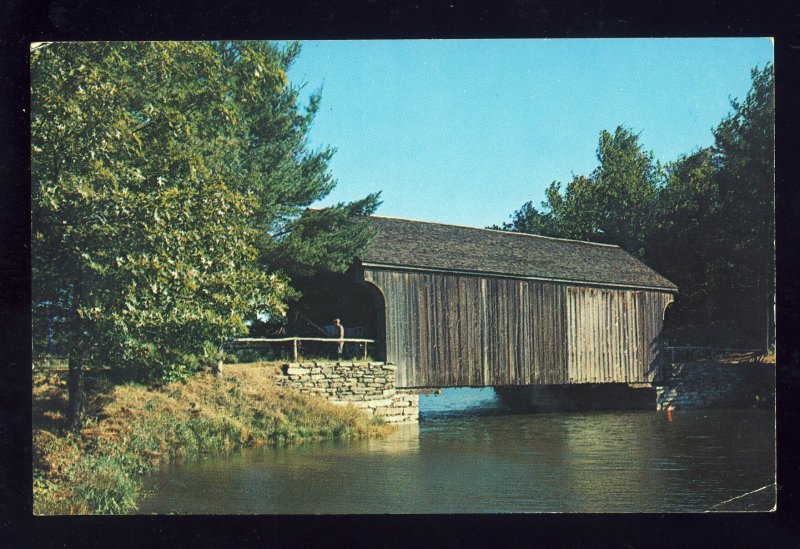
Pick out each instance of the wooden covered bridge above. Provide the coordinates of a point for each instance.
(456, 306)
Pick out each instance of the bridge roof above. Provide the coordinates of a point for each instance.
(423, 245)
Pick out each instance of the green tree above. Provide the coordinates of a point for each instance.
(168, 183)
(744, 155)
(613, 205)
(678, 245)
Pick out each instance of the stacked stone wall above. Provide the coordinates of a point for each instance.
(366, 385)
(712, 385)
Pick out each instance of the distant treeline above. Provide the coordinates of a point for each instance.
(705, 221)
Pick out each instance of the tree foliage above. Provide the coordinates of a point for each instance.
(612, 205)
(170, 183)
(706, 220)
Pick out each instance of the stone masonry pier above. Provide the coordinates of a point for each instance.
(366, 385)
(710, 385)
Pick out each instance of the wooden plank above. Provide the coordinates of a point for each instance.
(624, 326)
(582, 319)
(496, 325)
(548, 326)
(448, 372)
(632, 350)
(427, 312)
(558, 336)
(300, 338)
(571, 335)
(616, 318)
(491, 323)
(527, 358)
(639, 334)
(540, 366)
(563, 366)
(597, 306)
(500, 333)
(462, 319)
(619, 372)
(406, 302)
(547, 333)
(594, 298)
(605, 332)
(484, 319)
(589, 337)
(645, 333)
(522, 337)
(592, 372)
(451, 306)
(610, 332)
(558, 332)
(574, 367)
(477, 337)
(630, 338)
(434, 329)
(415, 323)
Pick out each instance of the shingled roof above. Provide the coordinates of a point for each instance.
(402, 243)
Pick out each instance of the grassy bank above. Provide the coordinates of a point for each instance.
(131, 429)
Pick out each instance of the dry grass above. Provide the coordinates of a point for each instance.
(738, 358)
(130, 429)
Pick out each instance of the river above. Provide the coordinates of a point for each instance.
(468, 456)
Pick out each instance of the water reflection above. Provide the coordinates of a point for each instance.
(597, 462)
(404, 440)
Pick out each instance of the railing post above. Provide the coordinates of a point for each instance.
(365, 350)
(294, 350)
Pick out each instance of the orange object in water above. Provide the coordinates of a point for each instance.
(669, 412)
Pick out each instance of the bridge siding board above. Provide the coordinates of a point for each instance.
(608, 306)
(447, 329)
(613, 315)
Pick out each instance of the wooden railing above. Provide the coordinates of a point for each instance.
(294, 341)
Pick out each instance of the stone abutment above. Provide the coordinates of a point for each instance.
(366, 385)
(712, 385)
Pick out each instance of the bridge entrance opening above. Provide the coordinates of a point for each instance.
(328, 296)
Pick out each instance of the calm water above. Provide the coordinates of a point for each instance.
(468, 457)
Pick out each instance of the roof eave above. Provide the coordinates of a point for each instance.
(382, 265)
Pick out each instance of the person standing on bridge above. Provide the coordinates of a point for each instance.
(337, 324)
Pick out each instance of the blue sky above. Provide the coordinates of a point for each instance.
(466, 131)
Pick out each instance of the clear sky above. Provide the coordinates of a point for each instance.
(466, 131)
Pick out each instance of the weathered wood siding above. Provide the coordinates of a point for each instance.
(447, 330)
(613, 334)
(451, 330)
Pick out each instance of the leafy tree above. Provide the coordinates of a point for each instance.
(166, 178)
(613, 205)
(627, 181)
(715, 228)
(744, 155)
(678, 245)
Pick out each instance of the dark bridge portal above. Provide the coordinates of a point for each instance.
(326, 296)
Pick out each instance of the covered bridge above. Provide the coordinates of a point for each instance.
(456, 306)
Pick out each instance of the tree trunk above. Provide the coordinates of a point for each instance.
(76, 393)
(75, 407)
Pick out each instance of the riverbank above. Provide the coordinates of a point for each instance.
(131, 429)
